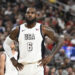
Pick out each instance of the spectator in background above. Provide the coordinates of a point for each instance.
(22, 8)
(66, 62)
(2, 37)
(46, 70)
(39, 16)
(8, 11)
(59, 58)
(49, 12)
(70, 70)
(72, 56)
(59, 71)
(2, 29)
(61, 23)
(8, 25)
(47, 21)
(52, 71)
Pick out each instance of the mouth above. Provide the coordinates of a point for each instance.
(29, 18)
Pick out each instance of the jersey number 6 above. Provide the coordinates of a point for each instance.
(29, 46)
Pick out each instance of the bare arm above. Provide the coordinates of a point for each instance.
(2, 64)
(53, 36)
(7, 46)
(8, 41)
(56, 38)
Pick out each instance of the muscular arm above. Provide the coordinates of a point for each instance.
(55, 37)
(47, 31)
(7, 46)
(8, 41)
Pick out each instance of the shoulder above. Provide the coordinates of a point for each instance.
(14, 33)
(15, 30)
(47, 29)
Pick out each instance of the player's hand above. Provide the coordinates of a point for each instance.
(17, 65)
(45, 61)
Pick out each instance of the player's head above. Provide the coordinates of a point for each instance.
(30, 15)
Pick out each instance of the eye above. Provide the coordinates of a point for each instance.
(32, 12)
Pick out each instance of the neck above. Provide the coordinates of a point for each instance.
(31, 25)
(13, 52)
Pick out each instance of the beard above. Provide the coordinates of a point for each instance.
(30, 21)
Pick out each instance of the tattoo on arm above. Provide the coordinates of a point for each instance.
(51, 33)
(55, 37)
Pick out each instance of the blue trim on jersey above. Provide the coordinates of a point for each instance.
(18, 48)
(18, 33)
(41, 31)
(42, 44)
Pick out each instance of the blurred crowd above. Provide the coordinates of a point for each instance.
(12, 14)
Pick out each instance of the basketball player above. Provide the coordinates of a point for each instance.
(30, 37)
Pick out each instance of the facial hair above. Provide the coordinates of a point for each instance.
(30, 21)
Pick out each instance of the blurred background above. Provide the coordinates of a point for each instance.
(58, 14)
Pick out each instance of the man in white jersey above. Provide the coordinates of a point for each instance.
(30, 36)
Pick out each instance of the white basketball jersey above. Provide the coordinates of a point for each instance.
(30, 40)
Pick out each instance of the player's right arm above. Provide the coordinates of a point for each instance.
(7, 47)
(8, 42)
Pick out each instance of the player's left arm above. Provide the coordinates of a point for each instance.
(47, 31)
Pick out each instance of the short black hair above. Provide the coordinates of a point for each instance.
(31, 7)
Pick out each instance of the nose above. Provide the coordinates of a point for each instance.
(30, 14)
